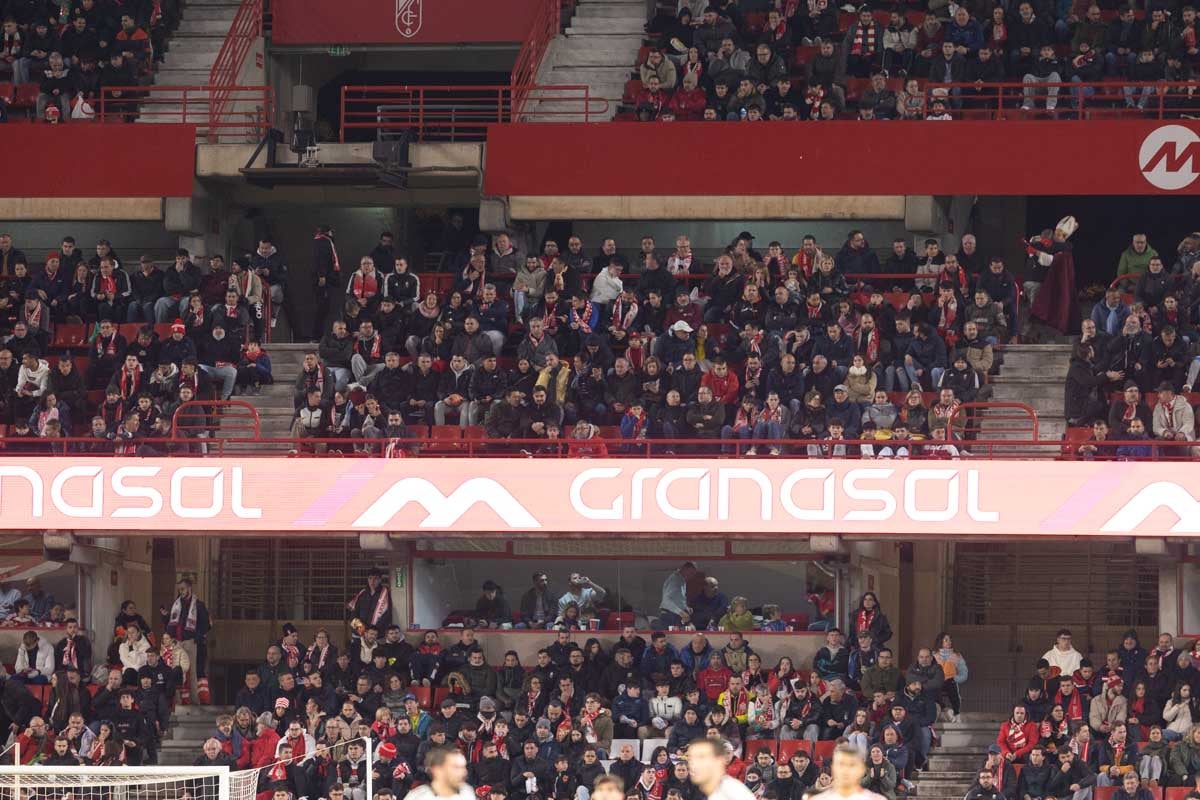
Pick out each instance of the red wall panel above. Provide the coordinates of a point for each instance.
(94, 160)
(1119, 157)
(400, 21)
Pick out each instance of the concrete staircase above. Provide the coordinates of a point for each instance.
(274, 403)
(190, 726)
(597, 51)
(954, 764)
(1033, 374)
(190, 55)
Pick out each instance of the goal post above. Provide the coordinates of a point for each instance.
(35, 782)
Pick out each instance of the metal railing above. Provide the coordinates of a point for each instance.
(533, 51)
(197, 416)
(422, 446)
(226, 69)
(1114, 99)
(460, 113)
(245, 118)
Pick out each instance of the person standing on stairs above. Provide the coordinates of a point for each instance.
(189, 623)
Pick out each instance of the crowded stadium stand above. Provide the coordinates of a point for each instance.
(379, 381)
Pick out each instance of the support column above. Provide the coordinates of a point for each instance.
(930, 573)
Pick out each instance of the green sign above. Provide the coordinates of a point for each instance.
(339, 50)
(401, 574)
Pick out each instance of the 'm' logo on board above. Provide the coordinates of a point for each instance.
(1170, 157)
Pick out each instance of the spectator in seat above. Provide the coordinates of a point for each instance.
(1073, 780)
(863, 44)
(1165, 358)
(706, 415)
(1173, 418)
(1028, 34)
(335, 352)
(491, 611)
(33, 380)
(232, 315)
(1125, 409)
(984, 787)
(146, 288)
(826, 71)
(1018, 736)
(219, 356)
(1108, 708)
(56, 87)
(178, 283)
(584, 593)
(689, 100)
(35, 660)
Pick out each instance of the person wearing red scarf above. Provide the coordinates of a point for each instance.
(1070, 700)
(364, 284)
(1017, 736)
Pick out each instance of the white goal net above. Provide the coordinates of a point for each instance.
(35, 782)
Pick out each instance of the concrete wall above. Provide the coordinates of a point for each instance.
(800, 647)
(720, 208)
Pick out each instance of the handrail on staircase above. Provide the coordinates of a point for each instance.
(226, 69)
(533, 51)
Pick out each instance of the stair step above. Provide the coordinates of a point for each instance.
(602, 27)
(610, 11)
(226, 12)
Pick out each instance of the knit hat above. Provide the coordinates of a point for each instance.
(53, 255)
(178, 327)
(282, 702)
(387, 750)
(544, 723)
(487, 704)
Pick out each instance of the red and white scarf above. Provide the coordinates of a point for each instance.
(69, 658)
(864, 40)
(189, 623)
(582, 318)
(337, 267)
(320, 655)
(376, 346)
(364, 287)
(1015, 736)
(129, 381)
(624, 314)
(106, 347)
(381, 605)
(871, 351)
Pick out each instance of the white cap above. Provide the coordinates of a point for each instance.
(681, 325)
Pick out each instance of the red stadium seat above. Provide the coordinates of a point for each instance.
(1176, 792)
(1073, 438)
(823, 751)
(1105, 792)
(424, 696)
(445, 435)
(798, 621)
(26, 95)
(440, 694)
(617, 620)
(789, 746)
(6, 91)
(70, 335)
(752, 746)
(632, 88)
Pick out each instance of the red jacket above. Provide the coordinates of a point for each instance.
(30, 752)
(1029, 730)
(688, 105)
(261, 750)
(725, 390)
(712, 682)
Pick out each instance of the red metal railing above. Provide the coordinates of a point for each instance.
(1101, 100)
(533, 50)
(440, 447)
(246, 117)
(196, 416)
(226, 69)
(461, 113)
